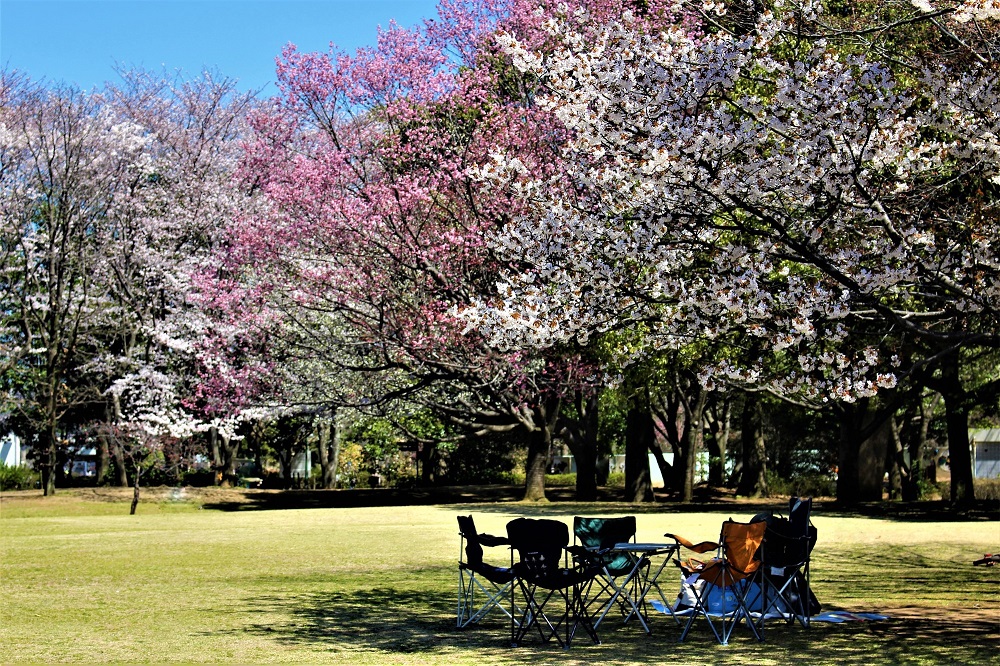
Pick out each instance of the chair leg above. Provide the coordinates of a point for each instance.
(722, 627)
(792, 594)
(463, 593)
(469, 588)
(580, 614)
(532, 616)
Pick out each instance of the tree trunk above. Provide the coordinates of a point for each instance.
(694, 435)
(666, 414)
(254, 442)
(603, 469)
(430, 461)
(48, 459)
(639, 433)
(119, 456)
(544, 421)
(924, 469)
(894, 462)
(864, 440)
(328, 448)
(116, 446)
(135, 490)
(753, 479)
(963, 493)
(580, 435)
(667, 471)
(213, 446)
(224, 450)
(534, 467)
(103, 456)
(718, 444)
(285, 464)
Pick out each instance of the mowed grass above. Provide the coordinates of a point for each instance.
(85, 582)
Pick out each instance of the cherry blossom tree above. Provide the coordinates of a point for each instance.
(170, 378)
(113, 201)
(760, 180)
(69, 164)
(375, 231)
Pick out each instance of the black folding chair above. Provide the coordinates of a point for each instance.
(542, 575)
(481, 586)
(787, 550)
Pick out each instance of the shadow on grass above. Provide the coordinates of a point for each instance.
(381, 619)
(401, 622)
(562, 501)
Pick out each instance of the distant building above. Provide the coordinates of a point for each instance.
(986, 453)
(11, 452)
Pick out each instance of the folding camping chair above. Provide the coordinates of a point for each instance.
(541, 574)
(620, 581)
(720, 586)
(787, 549)
(481, 587)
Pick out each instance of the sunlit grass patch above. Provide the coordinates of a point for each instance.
(378, 585)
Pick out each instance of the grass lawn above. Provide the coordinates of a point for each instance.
(82, 581)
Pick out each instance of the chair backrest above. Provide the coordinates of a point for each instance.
(799, 510)
(539, 543)
(789, 541)
(598, 533)
(473, 549)
(740, 544)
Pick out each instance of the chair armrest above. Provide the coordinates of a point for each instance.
(491, 540)
(587, 553)
(585, 557)
(702, 547)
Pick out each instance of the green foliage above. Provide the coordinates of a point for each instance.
(810, 484)
(612, 409)
(198, 478)
(17, 477)
(985, 489)
(351, 466)
(371, 450)
(560, 480)
(616, 480)
(484, 460)
(927, 490)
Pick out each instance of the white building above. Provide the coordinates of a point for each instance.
(11, 453)
(985, 453)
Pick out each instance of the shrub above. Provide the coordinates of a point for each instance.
(985, 489)
(486, 460)
(560, 480)
(198, 478)
(811, 484)
(17, 477)
(616, 480)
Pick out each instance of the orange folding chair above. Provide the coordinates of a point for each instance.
(720, 585)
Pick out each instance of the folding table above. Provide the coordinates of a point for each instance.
(638, 582)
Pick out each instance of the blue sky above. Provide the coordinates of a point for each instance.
(79, 41)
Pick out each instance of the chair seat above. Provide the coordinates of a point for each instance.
(557, 579)
(494, 574)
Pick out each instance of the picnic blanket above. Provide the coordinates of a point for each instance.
(827, 616)
(847, 616)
